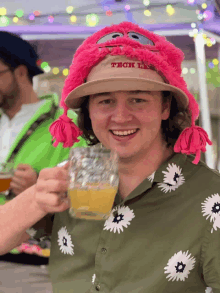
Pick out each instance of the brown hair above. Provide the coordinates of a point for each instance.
(171, 128)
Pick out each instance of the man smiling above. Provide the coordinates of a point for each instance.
(163, 234)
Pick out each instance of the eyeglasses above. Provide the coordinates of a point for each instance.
(3, 71)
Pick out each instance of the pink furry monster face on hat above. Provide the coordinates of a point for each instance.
(133, 42)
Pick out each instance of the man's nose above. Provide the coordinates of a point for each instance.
(121, 113)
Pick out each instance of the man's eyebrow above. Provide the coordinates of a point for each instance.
(101, 94)
(139, 92)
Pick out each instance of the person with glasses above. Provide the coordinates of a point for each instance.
(25, 141)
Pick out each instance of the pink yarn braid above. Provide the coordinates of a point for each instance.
(64, 130)
(192, 140)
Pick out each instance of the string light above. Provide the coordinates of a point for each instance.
(213, 41)
(69, 9)
(207, 15)
(185, 70)
(47, 69)
(200, 16)
(19, 13)
(65, 72)
(55, 70)
(146, 2)
(190, 1)
(44, 65)
(192, 70)
(51, 19)
(4, 21)
(73, 18)
(204, 5)
(108, 13)
(37, 13)
(127, 7)
(15, 19)
(92, 19)
(147, 13)
(193, 25)
(170, 10)
(31, 16)
(3, 11)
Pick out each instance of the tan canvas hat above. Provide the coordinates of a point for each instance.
(118, 73)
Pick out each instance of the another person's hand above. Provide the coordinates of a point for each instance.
(51, 189)
(24, 177)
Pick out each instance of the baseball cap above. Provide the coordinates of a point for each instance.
(16, 51)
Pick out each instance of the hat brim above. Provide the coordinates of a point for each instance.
(35, 70)
(77, 96)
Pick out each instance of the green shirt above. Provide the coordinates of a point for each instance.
(163, 237)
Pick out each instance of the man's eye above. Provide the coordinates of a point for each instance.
(138, 101)
(105, 102)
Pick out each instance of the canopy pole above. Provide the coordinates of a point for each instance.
(204, 102)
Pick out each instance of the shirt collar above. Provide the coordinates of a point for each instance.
(175, 162)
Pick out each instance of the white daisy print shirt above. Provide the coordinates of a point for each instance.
(179, 266)
(119, 219)
(173, 178)
(65, 242)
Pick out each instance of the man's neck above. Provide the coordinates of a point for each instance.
(132, 173)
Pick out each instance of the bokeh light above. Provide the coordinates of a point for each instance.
(147, 12)
(185, 70)
(37, 13)
(207, 15)
(44, 65)
(215, 61)
(193, 25)
(127, 7)
(19, 13)
(190, 1)
(50, 19)
(4, 21)
(204, 5)
(65, 71)
(31, 16)
(108, 13)
(15, 19)
(73, 18)
(69, 9)
(192, 70)
(3, 11)
(146, 2)
(92, 19)
(56, 70)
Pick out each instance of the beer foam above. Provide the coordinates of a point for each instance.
(5, 175)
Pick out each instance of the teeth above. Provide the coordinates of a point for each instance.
(127, 132)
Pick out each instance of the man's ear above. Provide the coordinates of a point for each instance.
(21, 72)
(166, 109)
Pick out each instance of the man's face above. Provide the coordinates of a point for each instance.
(9, 89)
(128, 122)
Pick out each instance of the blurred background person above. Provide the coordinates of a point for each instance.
(26, 141)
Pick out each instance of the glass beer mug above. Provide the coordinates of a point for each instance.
(93, 173)
(6, 174)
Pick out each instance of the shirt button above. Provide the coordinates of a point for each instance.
(103, 250)
(98, 288)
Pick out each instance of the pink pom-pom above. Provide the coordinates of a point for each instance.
(65, 131)
(192, 140)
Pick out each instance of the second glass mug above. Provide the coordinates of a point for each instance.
(6, 174)
(93, 184)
